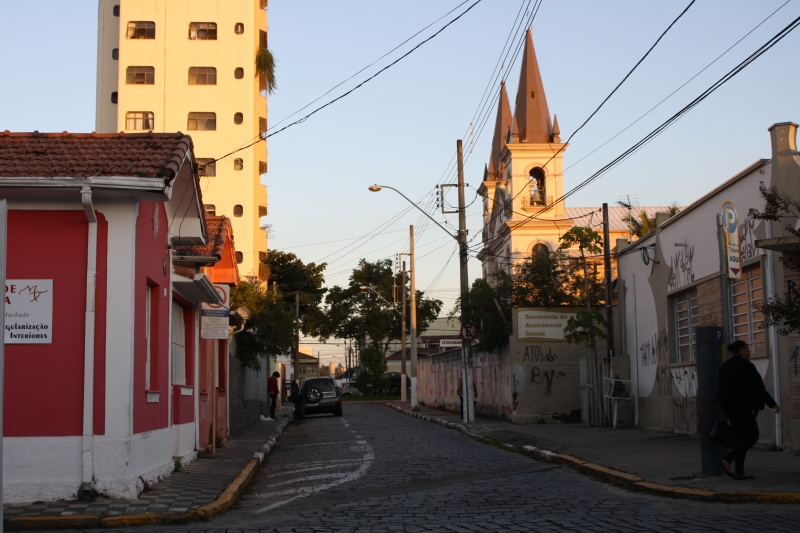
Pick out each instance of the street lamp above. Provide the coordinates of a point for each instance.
(461, 238)
(402, 336)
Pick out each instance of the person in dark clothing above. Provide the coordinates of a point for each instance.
(741, 396)
(299, 401)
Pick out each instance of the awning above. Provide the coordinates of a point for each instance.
(199, 289)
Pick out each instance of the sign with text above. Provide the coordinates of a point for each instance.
(29, 311)
(536, 324)
(731, 225)
(214, 318)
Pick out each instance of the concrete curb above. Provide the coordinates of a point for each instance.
(623, 479)
(224, 502)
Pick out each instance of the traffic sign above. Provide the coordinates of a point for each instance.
(731, 226)
(469, 331)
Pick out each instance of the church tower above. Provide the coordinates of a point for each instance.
(524, 175)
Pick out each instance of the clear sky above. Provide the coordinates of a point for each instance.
(401, 128)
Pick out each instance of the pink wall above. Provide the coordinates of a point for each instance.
(183, 406)
(150, 270)
(44, 382)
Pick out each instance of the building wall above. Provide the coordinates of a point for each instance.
(170, 98)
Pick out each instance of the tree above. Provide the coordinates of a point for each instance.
(265, 66)
(287, 273)
(780, 207)
(587, 240)
(642, 224)
(352, 313)
(270, 327)
(490, 308)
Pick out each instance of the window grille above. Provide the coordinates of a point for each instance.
(206, 167)
(178, 345)
(202, 121)
(747, 318)
(202, 76)
(141, 30)
(203, 31)
(140, 76)
(686, 317)
(139, 120)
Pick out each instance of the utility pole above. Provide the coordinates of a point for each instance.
(463, 254)
(403, 335)
(723, 281)
(414, 395)
(297, 340)
(609, 309)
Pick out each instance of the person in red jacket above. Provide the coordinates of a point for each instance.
(273, 391)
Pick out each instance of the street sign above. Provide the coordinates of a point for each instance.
(731, 226)
(469, 331)
(214, 318)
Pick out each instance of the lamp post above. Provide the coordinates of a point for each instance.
(461, 238)
(402, 336)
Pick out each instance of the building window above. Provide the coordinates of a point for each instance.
(115, 54)
(140, 76)
(262, 167)
(206, 167)
(203, 31)
(114, 97)
(239, 258)
(537, 190)
(238, 210)
(141, 30)
(540, 251)
(202, 76)
(202, 121)
(178, 345)
(238, 118)
(115, 11)
(262, 210)
(262, 256)
(211, 209)
(238, 164)
(151, 336)
(262, 127)
(748, 321)
(686, 316)
(238, 28)
(238, 73)
(139, 120)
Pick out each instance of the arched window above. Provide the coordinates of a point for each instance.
(238, 28)
(238, 73)
(537, 186)
(540, 251)
(238, 210)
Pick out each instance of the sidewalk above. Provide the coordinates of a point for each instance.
(203, 488)
(653, 461)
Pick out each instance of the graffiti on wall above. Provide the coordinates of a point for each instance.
(684, 415)
(680, 268)
(546, 377)
(654, 348)
(514, 394)
(747, 238)
(685, 380)
(534, 354)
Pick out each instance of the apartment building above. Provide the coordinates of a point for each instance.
(189, 66)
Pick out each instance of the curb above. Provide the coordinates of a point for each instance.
(224, 502)
(623, 479)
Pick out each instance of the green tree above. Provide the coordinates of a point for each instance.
(270, 327)
(586, 240)
(265, 66)
(780, 207)
(642, 224)
(287, 273)
(489, 307)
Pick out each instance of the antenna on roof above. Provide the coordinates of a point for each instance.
(629, 201)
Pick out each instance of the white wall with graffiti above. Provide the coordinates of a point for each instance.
(669, 285)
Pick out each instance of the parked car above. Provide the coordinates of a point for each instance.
(322, 396)
(349, 388)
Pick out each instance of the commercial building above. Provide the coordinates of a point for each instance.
(188, 65)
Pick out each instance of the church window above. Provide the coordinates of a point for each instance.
(537, 187)
(540, 251)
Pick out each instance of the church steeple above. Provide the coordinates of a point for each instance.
(531, 112)
(501, 125)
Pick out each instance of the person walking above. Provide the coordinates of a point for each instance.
(273, 391)
(299, 402)
(741, 396)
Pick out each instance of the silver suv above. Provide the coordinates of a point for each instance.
(349, 389)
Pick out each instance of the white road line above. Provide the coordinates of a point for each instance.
(315, 468)
(302, 492)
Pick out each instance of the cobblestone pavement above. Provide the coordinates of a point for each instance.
(377, 470)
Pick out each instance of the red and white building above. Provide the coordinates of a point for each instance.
(111, 393)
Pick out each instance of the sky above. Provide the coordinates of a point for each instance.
(400, 129)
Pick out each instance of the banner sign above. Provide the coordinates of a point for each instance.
(214, 318)
(29, 311)
(731, 225)
(449, 344)
(541, 324)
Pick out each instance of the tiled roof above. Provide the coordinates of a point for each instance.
(218, 228)
(82, 155)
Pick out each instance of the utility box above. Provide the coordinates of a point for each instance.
(710, 345)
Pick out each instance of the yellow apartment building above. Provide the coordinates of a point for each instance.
(189, 65)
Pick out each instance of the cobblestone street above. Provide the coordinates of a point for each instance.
(378, 470)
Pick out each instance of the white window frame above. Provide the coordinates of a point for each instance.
(746, 316)
(685, 315)
(178, 345)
